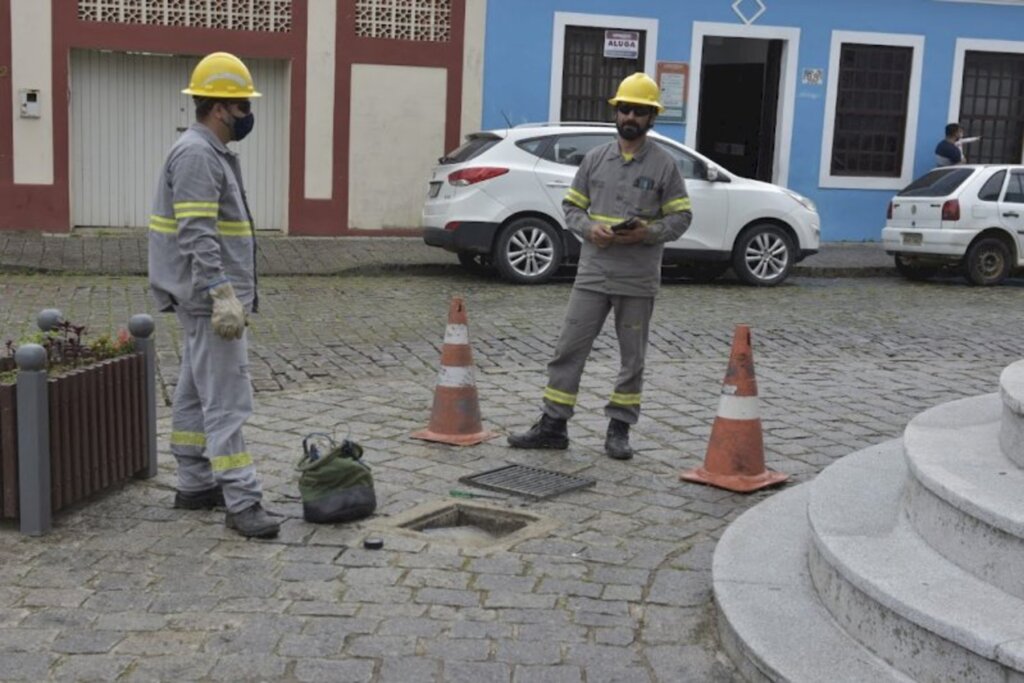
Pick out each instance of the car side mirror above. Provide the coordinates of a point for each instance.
(712, 173)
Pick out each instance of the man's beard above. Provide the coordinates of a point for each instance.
(630, 131)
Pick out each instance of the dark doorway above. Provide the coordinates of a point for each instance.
(738, 110)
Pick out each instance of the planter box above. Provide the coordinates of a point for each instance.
(89, 429)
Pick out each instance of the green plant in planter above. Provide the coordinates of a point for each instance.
(66, 349)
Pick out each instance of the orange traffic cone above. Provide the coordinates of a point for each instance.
(735, 457)
(455, 417)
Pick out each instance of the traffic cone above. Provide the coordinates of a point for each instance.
(455, 417)
(735, 456)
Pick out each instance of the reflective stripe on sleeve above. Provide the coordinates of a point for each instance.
(556, 396)
(609, 220)
(163, 224)
(234, 228)
(222, 463)
(677, 205)
(574, 196)
(196, 210)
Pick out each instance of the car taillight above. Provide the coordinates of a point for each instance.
(469, 176)
(888, 212)
(453, 225)
(951, 210)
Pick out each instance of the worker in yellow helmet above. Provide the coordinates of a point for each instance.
(202, 267)
(627, 199)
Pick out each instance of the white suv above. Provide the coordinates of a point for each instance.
(961, 218)
(497, 200)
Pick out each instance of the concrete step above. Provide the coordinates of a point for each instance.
(896, 595)
(1011, 429)
(964, 495)
(770, 619)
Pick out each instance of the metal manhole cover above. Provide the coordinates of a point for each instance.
(522, 480)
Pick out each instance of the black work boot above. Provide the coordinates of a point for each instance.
(207, 499)
(547, 432)
(616, 442)
(253, 522)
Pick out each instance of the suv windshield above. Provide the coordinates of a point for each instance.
(938, 183)
(471, 148)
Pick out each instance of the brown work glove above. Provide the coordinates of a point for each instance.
(228, 318)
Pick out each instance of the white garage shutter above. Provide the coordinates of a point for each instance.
(127, 110)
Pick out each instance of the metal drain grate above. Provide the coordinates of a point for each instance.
(532, 482)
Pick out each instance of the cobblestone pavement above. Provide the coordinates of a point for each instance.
(618, 589)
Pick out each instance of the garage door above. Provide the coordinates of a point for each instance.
(126, 111)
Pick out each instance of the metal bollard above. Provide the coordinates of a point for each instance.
(141, 326)
(33, 440)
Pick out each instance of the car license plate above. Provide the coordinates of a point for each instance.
(435, 188)
(912, 239)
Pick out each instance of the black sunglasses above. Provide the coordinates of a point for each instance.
(636, 109)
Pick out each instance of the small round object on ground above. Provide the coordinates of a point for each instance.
(373, 543)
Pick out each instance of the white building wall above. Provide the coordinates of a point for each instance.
(319, 111)
(473, 66)
(32, 68)
(396, 135)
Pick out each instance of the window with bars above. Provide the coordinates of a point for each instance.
(588, 77)
(992, 106)
(871, 110)
(417, 20)
(272, 16)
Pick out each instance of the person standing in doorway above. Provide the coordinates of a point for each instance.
(948, 152)
(627, 199)
(202, 267)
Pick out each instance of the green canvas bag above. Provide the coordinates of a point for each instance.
(336, 487)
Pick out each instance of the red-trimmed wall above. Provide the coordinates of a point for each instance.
(47, 207)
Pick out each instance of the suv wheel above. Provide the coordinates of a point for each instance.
(987, 262)
(763, 255)
(529, 251)
(911, 270)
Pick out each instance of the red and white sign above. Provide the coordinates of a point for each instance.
(622, 44)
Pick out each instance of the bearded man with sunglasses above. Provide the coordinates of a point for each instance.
(202, 267)
(627, 200)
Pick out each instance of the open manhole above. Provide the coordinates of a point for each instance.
(523, 480)
(469, 523)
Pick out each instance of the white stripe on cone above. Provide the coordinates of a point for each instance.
(456, 334)
(457, 377)
(739, 407)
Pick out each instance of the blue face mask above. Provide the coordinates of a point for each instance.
(242, 127)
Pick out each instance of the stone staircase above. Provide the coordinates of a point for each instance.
(901, 562)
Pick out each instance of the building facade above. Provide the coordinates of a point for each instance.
(360, 97)
(843, 102)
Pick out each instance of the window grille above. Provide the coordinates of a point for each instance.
(992, 106)
(588, 77)
(871, 110)
(418, 20)
(270, 16)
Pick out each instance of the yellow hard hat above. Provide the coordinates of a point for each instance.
(221, 75)
(639, 89)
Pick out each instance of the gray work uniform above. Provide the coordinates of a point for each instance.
(200, 236)
(609, 188)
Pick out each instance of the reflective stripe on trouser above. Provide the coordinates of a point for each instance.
(584, 319)
(212, 401)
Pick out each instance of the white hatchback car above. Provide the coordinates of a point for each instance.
(497, 200)
(961, 218)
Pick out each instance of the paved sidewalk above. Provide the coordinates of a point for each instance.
(123, 252)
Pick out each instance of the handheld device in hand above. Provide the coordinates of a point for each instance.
(624, 226)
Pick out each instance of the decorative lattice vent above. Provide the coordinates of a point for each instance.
(272, 16)
(423, 20)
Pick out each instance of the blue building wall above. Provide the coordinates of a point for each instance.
(518, 62)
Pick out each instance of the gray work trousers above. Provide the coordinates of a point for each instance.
(212, 401)
(583, 322)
